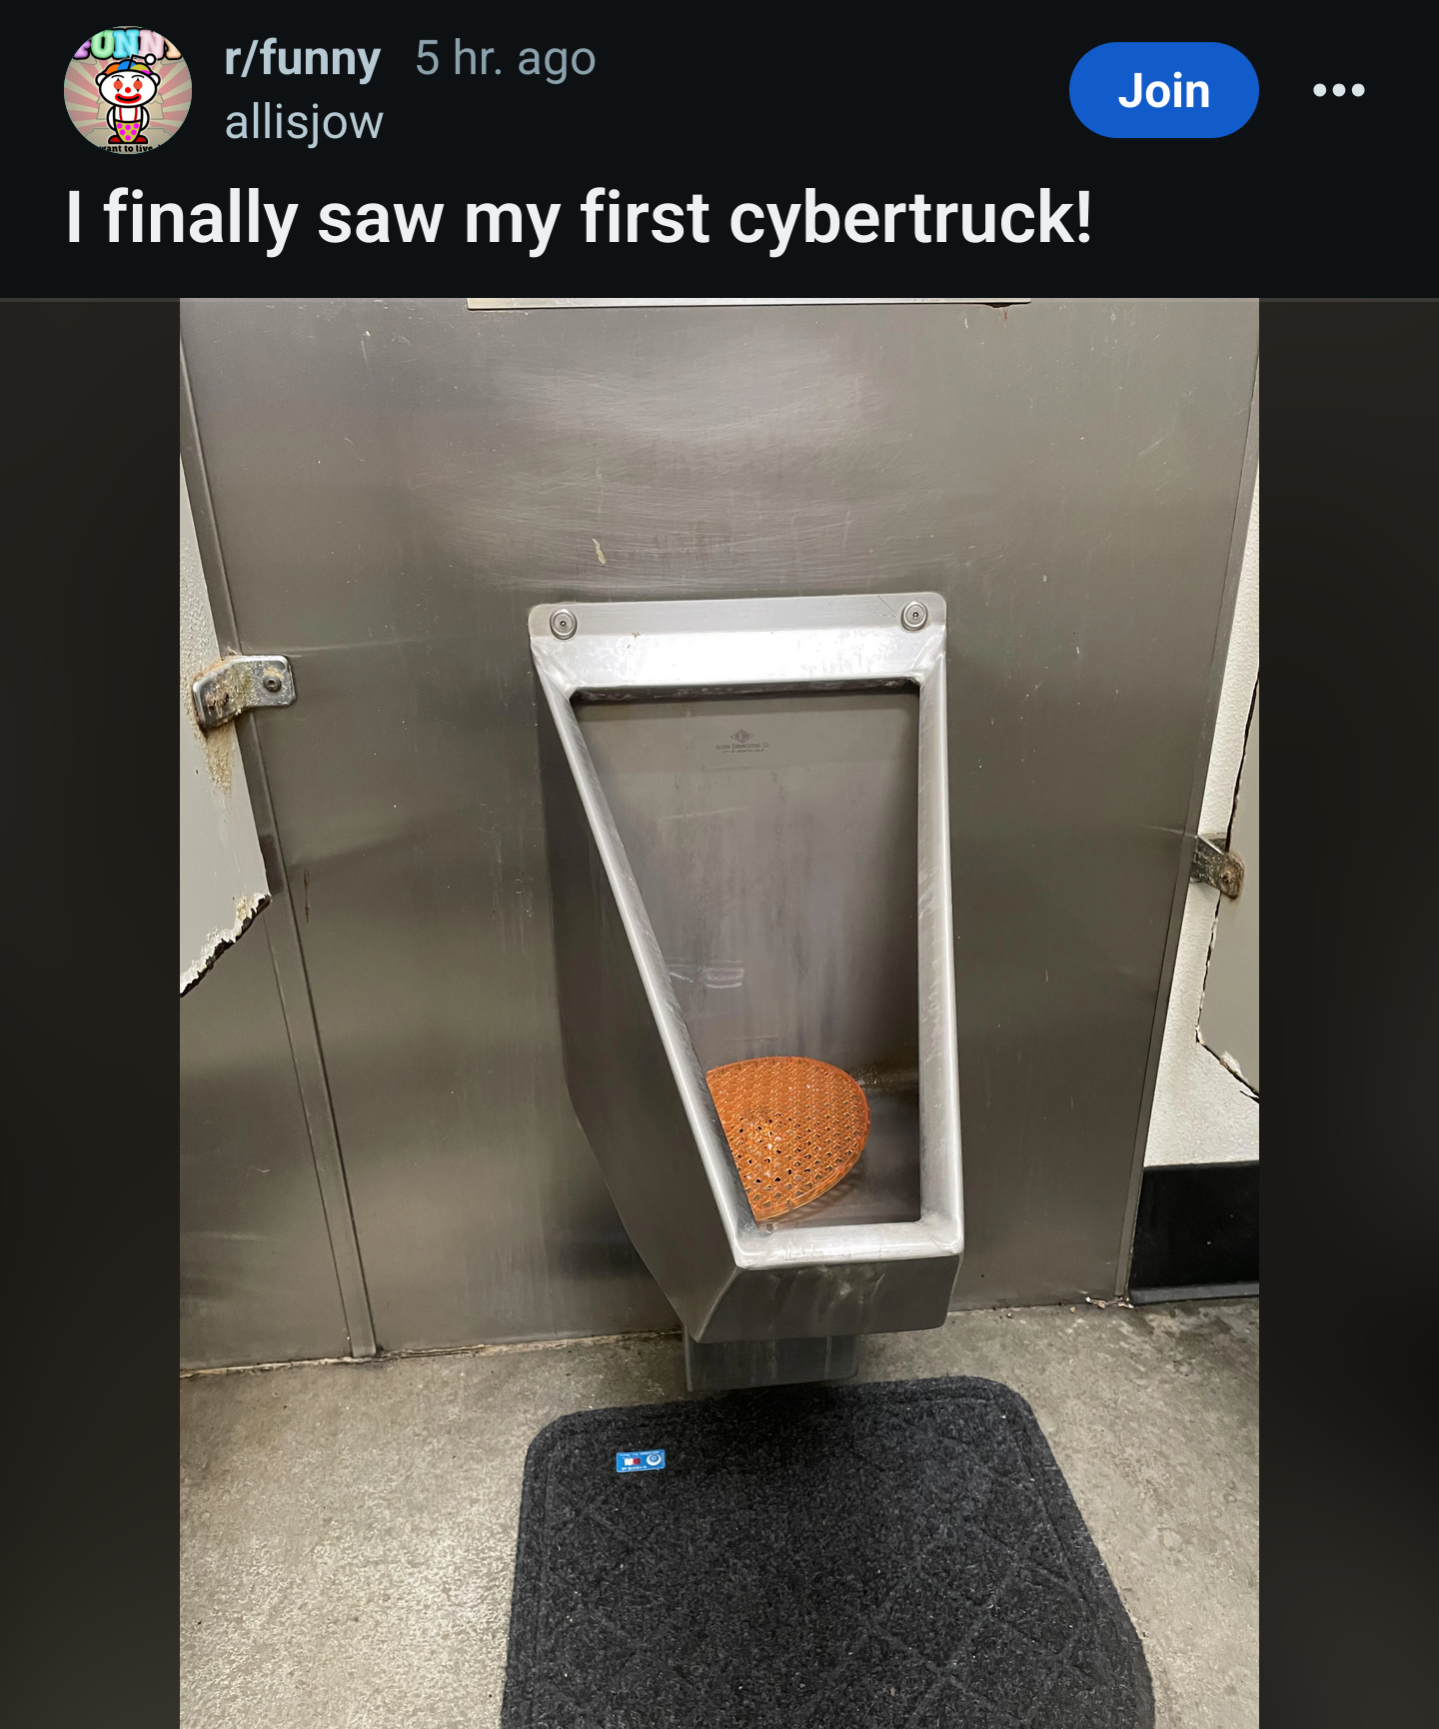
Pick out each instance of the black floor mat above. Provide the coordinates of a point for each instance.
(901, 1553)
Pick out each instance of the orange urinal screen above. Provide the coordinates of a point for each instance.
(795, 1126)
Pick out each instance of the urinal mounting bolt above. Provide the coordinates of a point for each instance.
(563, 622)
(915, 616)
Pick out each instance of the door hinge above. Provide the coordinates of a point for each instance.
(1220, 869)
(244, 681)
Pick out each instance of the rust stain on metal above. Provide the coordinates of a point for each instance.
(219, 759)
(219, 748)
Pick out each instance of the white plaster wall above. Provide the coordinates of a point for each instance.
(222, 875)
(1202, 1113)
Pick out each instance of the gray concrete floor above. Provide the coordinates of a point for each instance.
(348, 1530)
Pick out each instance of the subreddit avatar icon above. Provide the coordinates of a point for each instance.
(128, 90)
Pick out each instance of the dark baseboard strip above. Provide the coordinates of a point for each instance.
(1197, 1232)
(1192, 1293)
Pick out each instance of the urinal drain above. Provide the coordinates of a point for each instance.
(795, 1126)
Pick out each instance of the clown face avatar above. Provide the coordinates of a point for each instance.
(128, 85)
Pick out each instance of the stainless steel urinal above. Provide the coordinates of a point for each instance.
(747, 813)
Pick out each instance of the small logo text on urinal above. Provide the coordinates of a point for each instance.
(742, 743)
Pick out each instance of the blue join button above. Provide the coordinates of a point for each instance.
(1164, 90)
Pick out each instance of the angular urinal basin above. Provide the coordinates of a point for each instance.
(747, 812)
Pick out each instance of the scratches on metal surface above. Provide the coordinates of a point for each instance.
(218, 746)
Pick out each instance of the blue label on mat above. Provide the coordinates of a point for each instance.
(654, 1461)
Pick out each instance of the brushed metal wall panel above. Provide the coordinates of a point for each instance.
(257, 1277)
(396, 482)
